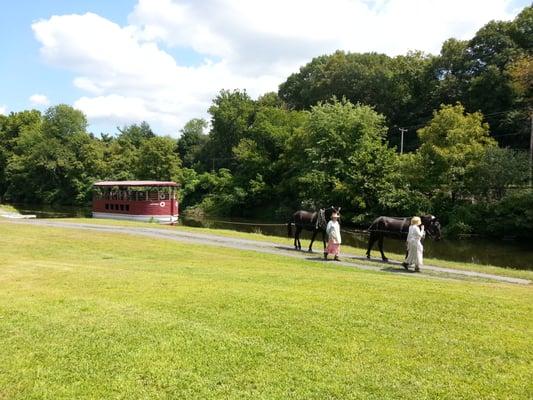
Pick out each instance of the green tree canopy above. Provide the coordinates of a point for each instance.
(55, 161)
(453, 143)
(192, 141)
(158, 159)
(231, 115)
(347, 161)
(135, 134)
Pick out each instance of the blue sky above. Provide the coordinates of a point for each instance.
(22, 71)
(164, 60)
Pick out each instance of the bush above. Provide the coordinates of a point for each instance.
(512, 216)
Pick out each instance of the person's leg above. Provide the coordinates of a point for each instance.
(419, 257)
(411, 255)
(337, 252)
(404, 263)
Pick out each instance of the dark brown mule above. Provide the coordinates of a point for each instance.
(397, 228)
(310, 221)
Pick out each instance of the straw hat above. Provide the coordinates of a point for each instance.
(416, 221)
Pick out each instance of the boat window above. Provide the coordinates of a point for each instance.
(153, 195)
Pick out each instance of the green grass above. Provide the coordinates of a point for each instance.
(90, 315)
(489, 269)
(7, 208)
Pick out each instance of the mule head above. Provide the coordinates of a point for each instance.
(432, 226)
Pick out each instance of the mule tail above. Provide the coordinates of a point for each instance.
(289, 228)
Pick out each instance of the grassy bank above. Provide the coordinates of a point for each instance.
(7, 208)
(490, 269)
(100, 316)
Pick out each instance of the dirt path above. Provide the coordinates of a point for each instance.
(349, 260)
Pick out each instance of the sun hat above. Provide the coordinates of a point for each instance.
(416, 221)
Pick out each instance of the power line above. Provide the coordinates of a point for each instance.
(426, 119)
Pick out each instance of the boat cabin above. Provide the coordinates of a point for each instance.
(136, 200)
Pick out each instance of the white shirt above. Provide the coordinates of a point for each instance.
(415, 233)
(334, 231)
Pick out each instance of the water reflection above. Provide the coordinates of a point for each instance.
(53, 211)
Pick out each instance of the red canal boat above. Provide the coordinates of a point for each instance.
(136, 200)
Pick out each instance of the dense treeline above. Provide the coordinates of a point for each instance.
(328, 137)
(482, 74)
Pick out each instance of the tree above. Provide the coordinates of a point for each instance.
(157, 159)
(347, 162)
(62, 121)
(453, 69)
(521, 74)
(11, 127)
(400, 88)
(453, 143)
(231, 115)
(493, 45)
(522, 29)
(499, 170)
(55, 161)
(136, 134)
(192, 141)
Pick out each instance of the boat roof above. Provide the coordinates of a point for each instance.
(135, 183)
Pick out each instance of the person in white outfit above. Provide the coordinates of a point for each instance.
(415, 249)
(333, 231)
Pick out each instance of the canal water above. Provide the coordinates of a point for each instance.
(508, 254)
(503, 253)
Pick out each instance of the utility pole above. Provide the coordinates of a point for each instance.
(402, 130)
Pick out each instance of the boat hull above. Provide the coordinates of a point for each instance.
(163, 219)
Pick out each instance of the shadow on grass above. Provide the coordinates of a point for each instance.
(399, 270)
(291, 248)
(391, 266)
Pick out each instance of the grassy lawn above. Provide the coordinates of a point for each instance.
(90, 315)
(489, 269)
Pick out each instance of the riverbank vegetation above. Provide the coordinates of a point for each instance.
(329, 136)
(87, 314)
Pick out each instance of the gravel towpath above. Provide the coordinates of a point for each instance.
(348, 260)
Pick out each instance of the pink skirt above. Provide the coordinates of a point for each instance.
(333, 248)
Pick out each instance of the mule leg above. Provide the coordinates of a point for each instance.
(324, 243)
(380, 243)
(297, 238)
(312, 240)
(371, 240)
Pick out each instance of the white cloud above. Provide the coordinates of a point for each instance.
(3, 110)
(129, 74)
(39, 100)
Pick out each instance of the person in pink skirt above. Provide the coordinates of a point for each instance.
(333, 231)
